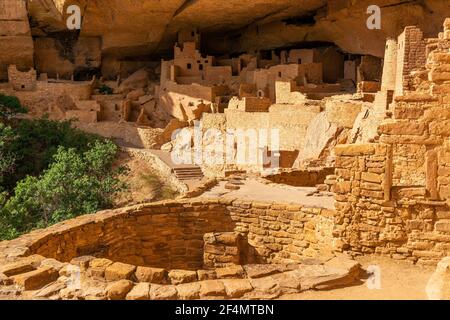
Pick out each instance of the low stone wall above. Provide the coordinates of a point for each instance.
(301, 178)
(184, 249)
(170, 233)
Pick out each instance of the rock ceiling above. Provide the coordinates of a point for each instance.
(142, 27)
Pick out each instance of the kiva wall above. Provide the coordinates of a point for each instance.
(170, 234)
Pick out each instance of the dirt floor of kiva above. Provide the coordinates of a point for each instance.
(400, 280)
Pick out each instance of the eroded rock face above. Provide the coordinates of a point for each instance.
(124, 25)
(117, 30)
(16, 44)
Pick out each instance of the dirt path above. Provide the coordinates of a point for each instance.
(399, 281)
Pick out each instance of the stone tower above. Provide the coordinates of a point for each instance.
(390, 65)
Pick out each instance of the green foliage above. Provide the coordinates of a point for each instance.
(75, 183)
(35, 143)
(50, 172)
(104, 89)
(9, 107)
(7, 157)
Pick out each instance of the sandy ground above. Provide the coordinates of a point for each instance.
(256, 190)
(400, 280)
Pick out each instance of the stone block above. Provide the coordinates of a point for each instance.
(236, 288)
(36, 279)
(442, 226)
(213, 288)
(15, 268)
(163, 292)
(119, 271)
(440, 127)
(371, 177)
(233, 271)
(53, 263)
(342, 187)
(262, 270)
(188, 291)
(206, 275)
(436, 76)
(354, 149)
(152, 275)
(141, 291)
(98, 266)
(82, 261)
(402, 127)
(182, 276)
(118, 290)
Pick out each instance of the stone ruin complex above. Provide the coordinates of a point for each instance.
(370, 133)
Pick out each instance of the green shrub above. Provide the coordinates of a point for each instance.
(7, 157)
(75, 183)
(34, 144)
(9, 107)
(50, 172)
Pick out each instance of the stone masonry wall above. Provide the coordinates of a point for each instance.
(170, 234)
(393, 197)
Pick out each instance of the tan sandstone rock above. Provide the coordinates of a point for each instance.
(141, 291)
(119, 289)
(152, 275)
(182, 276)
(236, 288)
(36, 279)
(98, 266)
(212, 288)
(188, 291)
(161, 292)
(119, 271)
(232, 271)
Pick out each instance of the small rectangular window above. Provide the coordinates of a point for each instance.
(189, 66)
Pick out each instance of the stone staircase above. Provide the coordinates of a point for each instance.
(188, 173)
